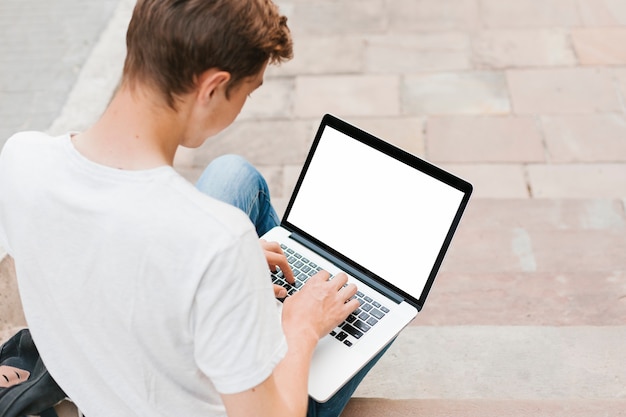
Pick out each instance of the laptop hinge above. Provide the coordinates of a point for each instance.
(347, 268)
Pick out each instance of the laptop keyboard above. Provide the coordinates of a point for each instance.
(357, 323)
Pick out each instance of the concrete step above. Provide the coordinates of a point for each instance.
(502, 363)
(526, 299)
(378, 407)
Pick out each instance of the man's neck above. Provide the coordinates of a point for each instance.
(135, 132)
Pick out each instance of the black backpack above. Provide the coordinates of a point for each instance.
(39, 393)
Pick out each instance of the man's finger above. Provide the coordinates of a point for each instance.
(321, 276)
(340, 280)
(276, 260)
(348, 291)
(279, 292)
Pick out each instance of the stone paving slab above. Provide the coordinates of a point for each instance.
(563, 91)
(600, 46)
(484, 139)
(417, 53)
(348, 95)
(343, 54)
(603, 12)
(585, 138)
(530, 13)
(620, 74)
(432, 15)
(455, 93)
(578, 180)
(516, 48)
(332, 17)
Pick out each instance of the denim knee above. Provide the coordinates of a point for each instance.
(232, 179)
(231, 166)
(228, 173)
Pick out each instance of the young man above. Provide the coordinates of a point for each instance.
(144, 295)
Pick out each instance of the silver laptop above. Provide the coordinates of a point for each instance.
(382, 216)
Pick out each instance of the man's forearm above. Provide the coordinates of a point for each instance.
(292, 373)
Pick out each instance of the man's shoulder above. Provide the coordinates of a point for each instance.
(31, 136)
(28, 141)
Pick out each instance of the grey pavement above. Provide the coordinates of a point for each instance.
(526, 99)
(43, 46)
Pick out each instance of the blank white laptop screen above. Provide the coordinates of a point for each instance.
(352, 192)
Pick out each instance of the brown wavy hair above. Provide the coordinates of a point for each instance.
(171, 42)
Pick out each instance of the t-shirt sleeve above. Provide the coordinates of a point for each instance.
(236, 321)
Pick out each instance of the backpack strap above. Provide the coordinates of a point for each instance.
(49, 413)
(39, 393)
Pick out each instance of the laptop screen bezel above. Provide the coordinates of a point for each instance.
(370, 140)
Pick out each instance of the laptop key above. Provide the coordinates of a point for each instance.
(361, 326)
(352, 331)
(372, 321)
(341, 336)
(347, 343)
(377, 313)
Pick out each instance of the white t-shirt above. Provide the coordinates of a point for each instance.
(144, 296)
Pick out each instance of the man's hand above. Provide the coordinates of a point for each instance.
(320, 305)
(276, 259)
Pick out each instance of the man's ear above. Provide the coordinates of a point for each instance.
(210, 81)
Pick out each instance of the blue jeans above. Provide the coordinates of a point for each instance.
(233, 180)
